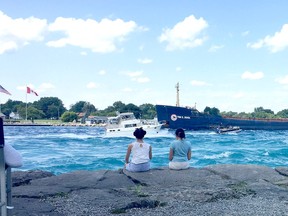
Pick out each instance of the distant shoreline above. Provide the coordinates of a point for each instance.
(49, 124)
(17, 124)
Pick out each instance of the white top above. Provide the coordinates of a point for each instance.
(140, 152)
(12, 157)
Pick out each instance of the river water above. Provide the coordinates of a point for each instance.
(60, 149)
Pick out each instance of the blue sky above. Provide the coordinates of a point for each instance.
(226, 54)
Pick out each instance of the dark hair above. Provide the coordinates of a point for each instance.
(139, 133)
(180, 133)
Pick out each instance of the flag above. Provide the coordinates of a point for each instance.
(4, 90)
(29, 90)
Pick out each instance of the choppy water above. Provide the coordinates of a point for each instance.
(65, 149)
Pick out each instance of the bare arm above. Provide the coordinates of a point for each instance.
(189, 154)
(128, 153)
(171, 154)
(12, 157)
(150, 153)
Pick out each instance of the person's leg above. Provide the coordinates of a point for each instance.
(178, 165)
(143, 167)
(129, 167)
(138, 167)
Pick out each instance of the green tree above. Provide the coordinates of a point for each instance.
(118, 106)
(283, 113)
(44, 103)
(77, 107)
(10, 106)
(148, 111)
(261, 109)
(212, 111)
(53, 111)
(132, 108)
(83, 107)
(262, 115)
(32, 112)
(69, 116)
(260, 112)
(229, 114)
(21, 110)
(244, 115)
(110, 110)
(88, 108)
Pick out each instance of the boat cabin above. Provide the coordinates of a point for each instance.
(123, 120)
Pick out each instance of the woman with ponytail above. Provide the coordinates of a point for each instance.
(180, 151)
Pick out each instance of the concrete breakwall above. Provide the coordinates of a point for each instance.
(212, 190)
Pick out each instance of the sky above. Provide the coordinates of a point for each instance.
(232, 55)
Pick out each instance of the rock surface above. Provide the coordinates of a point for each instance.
(212, 190)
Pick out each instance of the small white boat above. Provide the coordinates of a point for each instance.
(230, 129)
(126, 123)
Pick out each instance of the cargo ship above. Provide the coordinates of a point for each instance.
(190, 118)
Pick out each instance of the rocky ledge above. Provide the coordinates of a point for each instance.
(212, 190)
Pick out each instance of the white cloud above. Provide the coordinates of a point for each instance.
(244, 34)
(238, 95)
(92, 85)
(134, 74)
(100, 36)
(178, 69)
(282, 80)
(275, 43)
(145, 61)
(141, 79)
(46, 86)
(185, 34)
(83, 53)
(252, 76)
(102, 72)
(15, 33)
(199, 83)
(141, 48)
(127, 89)
(214, 48)
(23, 88)
(137, 76)
(256, 45)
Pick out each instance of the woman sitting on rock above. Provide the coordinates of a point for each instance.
(180, 151)
(141, 153)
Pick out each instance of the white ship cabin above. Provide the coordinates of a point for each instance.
(123, 120)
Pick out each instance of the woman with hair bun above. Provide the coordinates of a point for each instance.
(141, 153)
(180, 151)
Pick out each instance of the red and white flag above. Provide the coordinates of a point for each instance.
(29, 90)
(3, 90)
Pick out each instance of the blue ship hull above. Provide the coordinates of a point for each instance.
(191, 119)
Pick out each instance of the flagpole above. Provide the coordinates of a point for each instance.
(26, 103)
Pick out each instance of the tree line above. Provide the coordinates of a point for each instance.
(259, 112)
(53, 108)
